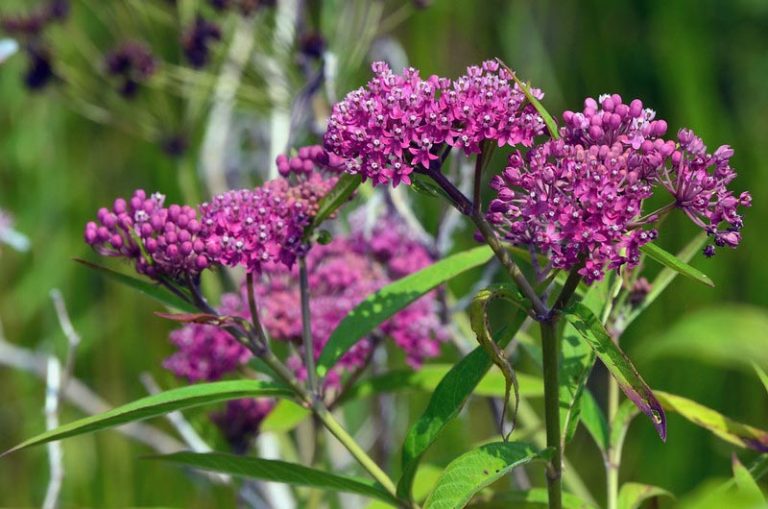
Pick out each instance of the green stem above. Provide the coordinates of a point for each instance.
(306, 336)
(550, 358)
(255, 310)
(613, 455)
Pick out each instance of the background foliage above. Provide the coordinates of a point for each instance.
(703, 61)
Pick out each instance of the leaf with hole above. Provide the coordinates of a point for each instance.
(471, 472)
(618, 364)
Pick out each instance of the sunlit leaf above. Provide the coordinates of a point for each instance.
(746, 485)
(618, 364)
(446, 402)
(713, 421)
(532, 497)
(476, 469)
(381, 305)
(160, 404)
(671, 261)
(594, 420)
(276, 471)
(632, 495)
(153, 290)
(762, 375)
(285, 416)
(429, 377)
(726, 335)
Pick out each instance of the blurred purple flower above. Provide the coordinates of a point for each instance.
(197, 39)
(240, 420)
(132, 63)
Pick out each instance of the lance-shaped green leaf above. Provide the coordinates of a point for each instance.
(532, 497)
(762, 375)
(673, 262)
(429, 377)
(381, 305)
(618, 364)
(446, 403)
(285, 416)
(666, 276)
(746, 485)
(277, 471)
(632, 495)
(727, 335)
(153, 290)
(713, 421)
(594, 420)
(473, 471)
(336, 197)
(159, 404)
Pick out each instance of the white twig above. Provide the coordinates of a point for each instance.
(55, 454)
(83, 398)
(73, 338)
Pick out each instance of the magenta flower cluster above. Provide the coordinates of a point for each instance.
(579, 199)
(341, 274)
(161, 241)
(265, 225)
(399, 124)
(247, 227)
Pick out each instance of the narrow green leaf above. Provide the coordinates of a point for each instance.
(632, 495)
(446, 402)
(277, 471)
(746, 485)
(666, 276)
(762, 375)
(594, 420)
(534, 496)
(473, 471)
(284, 417)
(336, 197)
(726, 335)
(618, 364)
(428, 378)
(548, 120)
(159, 404)
(426, 478)
(713, 421)
(673, 262)
(153, 290)
(381, 305)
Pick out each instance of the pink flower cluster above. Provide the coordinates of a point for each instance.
(265, 225)
(207, 352)
(398, 124)
(703, 194)
(579, 199)
(161, 241)
(247, 227)
(240, 420)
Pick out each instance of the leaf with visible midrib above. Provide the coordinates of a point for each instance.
(473, 471)
(429, 377)
(632, 495)
(277, 471)
(713, 421)
(673, 262)
(153, 290)
(335, 198)
(159, 404)
(618, 364)
(446, 403)
(381, 305)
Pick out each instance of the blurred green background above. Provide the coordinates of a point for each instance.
(701, 64)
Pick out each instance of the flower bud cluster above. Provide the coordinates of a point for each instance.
(399, 124)
(161, 241)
